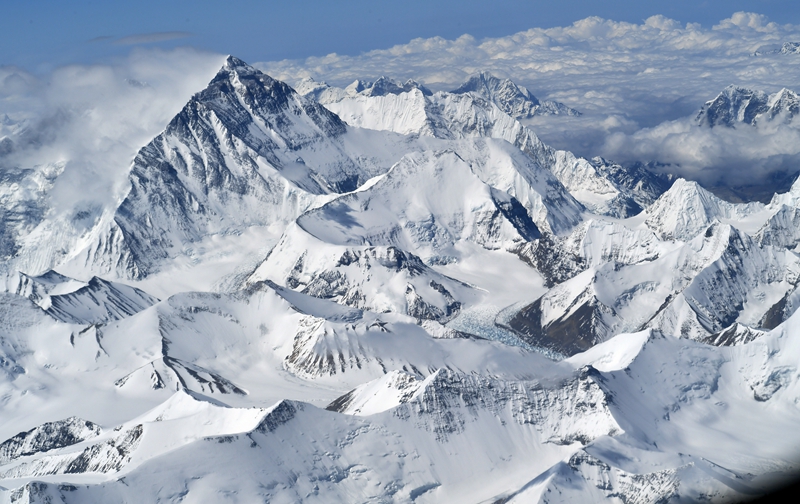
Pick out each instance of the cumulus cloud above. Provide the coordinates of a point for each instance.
(92, 119)
(736, 156)
(587, 55)
(632, 81)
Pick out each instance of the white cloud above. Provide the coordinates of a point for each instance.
(95, 118)
(728, 156)
(592, 53)
(627, 78)
(747, 20)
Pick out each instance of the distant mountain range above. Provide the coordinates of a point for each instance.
(385, 294)
(514, 100)
(736, 105)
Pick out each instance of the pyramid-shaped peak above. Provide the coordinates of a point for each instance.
(682, 186)
(687, 208)
(783, 96)
(512, 99)
(234, 66)
(232, 62)
(239, 92)
(483, 82)
(252, 83)
(685, 192)
(357, 86)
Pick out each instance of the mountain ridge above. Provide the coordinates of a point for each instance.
(398, 296)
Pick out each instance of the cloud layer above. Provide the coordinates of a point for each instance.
(95, 118)
(594, 63)
(639, 85)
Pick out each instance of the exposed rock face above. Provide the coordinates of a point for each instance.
(735, 105)
(486, 318)
(512, 99)
(569, 334)
(46, 437)
(725, 277)
(736, 334)
(100, 301)
(247, 150)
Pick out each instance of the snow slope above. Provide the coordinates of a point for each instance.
(402, 296)
(469, 114)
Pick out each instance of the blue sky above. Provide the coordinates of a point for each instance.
(42, 34)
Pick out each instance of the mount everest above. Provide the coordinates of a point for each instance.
(388, 294)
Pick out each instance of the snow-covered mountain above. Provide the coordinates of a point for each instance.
(785, 48)
(512, 99)
(736, 105)
(399, 296)
(686, 209)
(94, 302)
(790, 48)
(597, 185)
(324, 93)
(725, 277)
(245, 151)
(509, 97)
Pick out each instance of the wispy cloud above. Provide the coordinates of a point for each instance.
(151, 38)
(96, 117)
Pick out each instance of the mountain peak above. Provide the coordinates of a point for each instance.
(385, 86)
(687, 208)
(511, 98)
(236, 66)
(733, 105)
(220, 164)
(489, 86)
(234, 62)
(743, 105)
